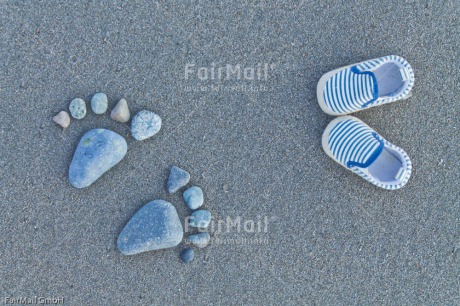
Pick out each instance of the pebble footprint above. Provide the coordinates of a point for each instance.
(156, 225)
(101, 149)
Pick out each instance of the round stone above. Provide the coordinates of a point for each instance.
(99, 103)
(200, 218)
(145, 124)
(193, 197)
(77, 108)
(187, 255)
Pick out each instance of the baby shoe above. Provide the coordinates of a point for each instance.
(367, 84)
(357, 147)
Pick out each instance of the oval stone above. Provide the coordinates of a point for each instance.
(155, 226)
(145, 124)
(200, 218)
(200, 240)
(187, 255)
(98, 151)
(77, 108)
(193, 197)
(99, 103)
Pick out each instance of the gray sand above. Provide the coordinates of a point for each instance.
(332, 237)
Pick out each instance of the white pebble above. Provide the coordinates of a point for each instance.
(63, 119)
(145, 124)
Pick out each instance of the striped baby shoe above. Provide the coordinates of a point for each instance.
(359, 86)
(357, 147)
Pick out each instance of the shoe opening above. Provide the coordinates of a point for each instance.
(387, 168)
(390, 80)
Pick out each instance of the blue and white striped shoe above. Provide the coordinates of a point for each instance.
(359, 86)
(357, 147)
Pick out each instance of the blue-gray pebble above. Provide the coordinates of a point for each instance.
(200, 240)
(193, 197)
(99, 103)
(155, 226)
(200, 218)
(178, 178)
(77, 108)
(187, 255)
(98, 151)
(145, 124)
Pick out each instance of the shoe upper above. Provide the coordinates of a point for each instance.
(359, 148)
(367, 84)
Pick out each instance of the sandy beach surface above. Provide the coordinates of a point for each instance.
(310, 231)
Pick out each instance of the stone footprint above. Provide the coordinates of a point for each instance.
(101, 149)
